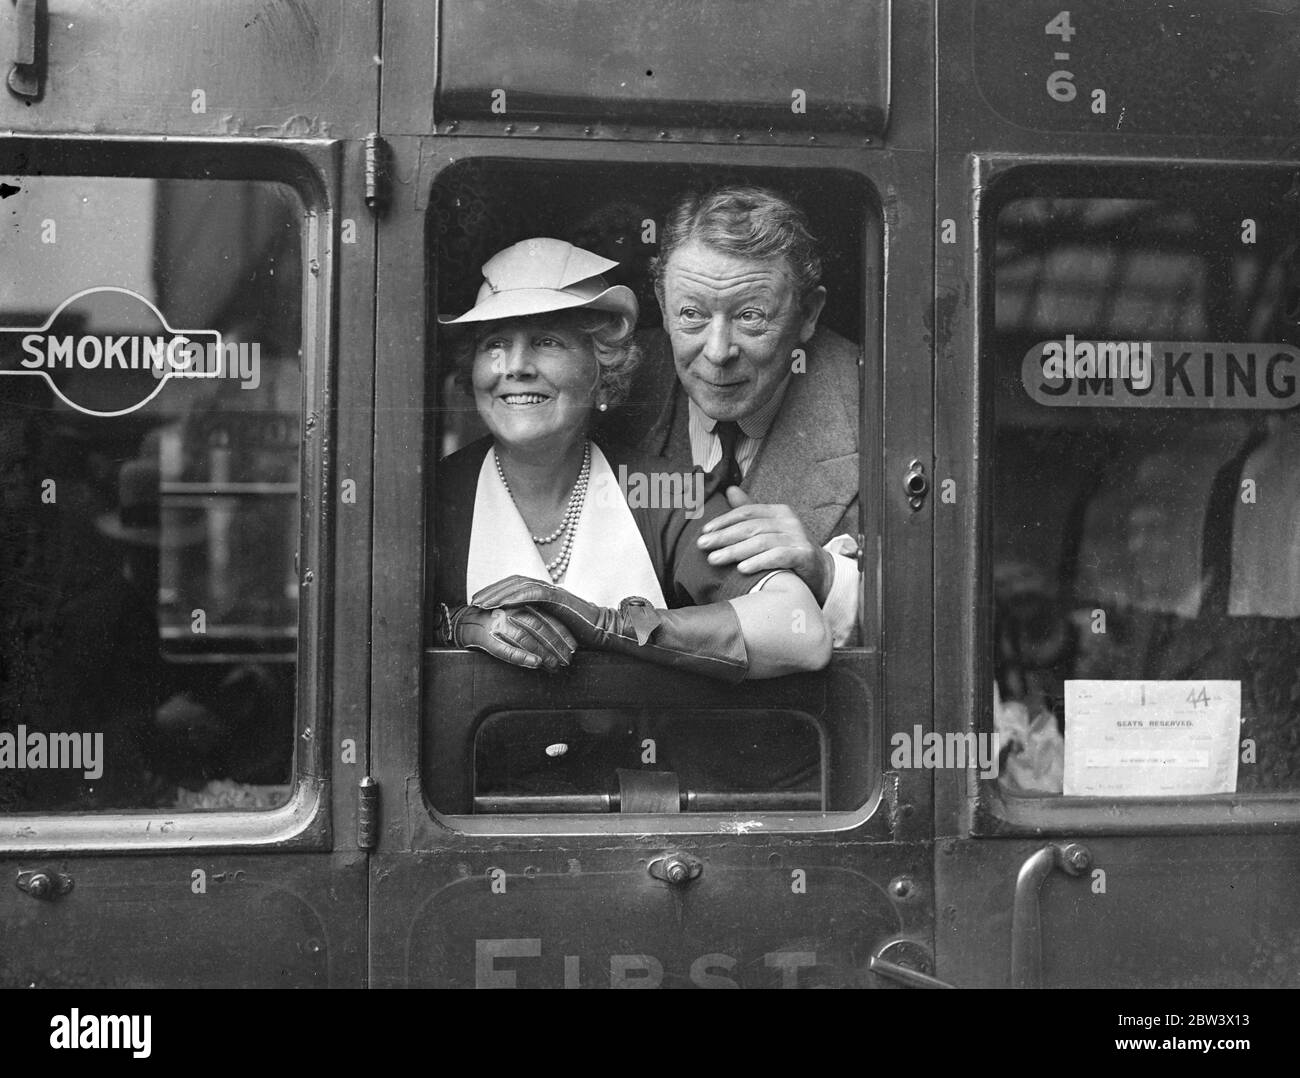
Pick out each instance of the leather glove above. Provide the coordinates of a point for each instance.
(703, 639)
(520, 635)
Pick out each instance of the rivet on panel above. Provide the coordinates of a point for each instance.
(901, 887)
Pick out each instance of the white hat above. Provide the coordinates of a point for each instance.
(541, 275)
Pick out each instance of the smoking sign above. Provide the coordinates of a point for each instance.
(1072, 373)
(108, 373)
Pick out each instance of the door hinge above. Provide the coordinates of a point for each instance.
(367, 814)
(379, 174)
(27, 74)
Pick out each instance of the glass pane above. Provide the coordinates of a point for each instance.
(482, 751)
(697, 760)
(149, 448)
(689, 66)
(1146, 524)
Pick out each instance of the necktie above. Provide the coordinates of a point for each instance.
(726, 473)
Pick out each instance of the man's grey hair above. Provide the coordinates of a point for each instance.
(750, 222)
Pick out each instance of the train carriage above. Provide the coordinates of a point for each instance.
(1063, 242)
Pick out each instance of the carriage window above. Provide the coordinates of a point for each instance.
(1145, 359)
(149, 451)
(613, 732)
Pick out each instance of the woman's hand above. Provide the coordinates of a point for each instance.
(520, 636)
(589, 623)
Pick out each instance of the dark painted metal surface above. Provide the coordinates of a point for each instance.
(257, 68)
(187, 921)
(1195, 68)
(760, 914)
(1202, 911)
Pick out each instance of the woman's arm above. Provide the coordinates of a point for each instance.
(788, 630)
(785, 630)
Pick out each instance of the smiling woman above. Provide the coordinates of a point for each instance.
(533, 381)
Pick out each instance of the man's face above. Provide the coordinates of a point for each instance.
(734, 324)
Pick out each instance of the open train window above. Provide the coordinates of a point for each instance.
(151, 394)
(1142, 359)
(614, 733)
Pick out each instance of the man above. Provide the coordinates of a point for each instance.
(756, 394)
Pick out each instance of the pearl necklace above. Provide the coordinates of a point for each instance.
(568, 525)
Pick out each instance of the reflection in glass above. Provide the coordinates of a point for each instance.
(1158, 543)
(591, 760)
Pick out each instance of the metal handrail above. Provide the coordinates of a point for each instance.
(1026, 915)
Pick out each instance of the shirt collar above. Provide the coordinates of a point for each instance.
(757, 423)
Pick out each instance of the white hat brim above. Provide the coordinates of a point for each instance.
(522, 302)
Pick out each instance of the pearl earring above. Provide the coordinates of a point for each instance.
(602, 406)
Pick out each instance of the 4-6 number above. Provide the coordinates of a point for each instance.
(1060, 25)
(1060, 84)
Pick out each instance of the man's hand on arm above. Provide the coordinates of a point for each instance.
(759, 538)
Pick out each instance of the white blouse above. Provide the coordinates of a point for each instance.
(608, 563)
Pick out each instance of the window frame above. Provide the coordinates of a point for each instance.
(995, 813)
(311, 169)
(875, 177)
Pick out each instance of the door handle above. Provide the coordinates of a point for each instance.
(1026, 916)
(28, 54)
(904, 975)
(906, 962)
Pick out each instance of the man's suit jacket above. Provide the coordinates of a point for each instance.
(809, 459)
